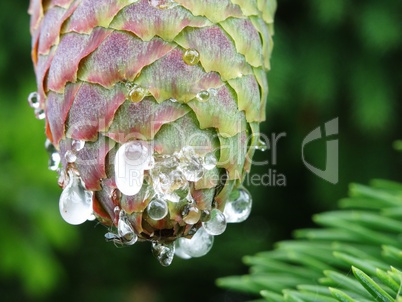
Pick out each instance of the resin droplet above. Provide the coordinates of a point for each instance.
(191, 164)
(191, 57)
(40, 114)
(54, 156)
(70, 156)
(125, 231)
(261, 145)
(157, 209)
(163, 4)
(34, 100)
(131, 160)
(199, 245)
(203, 96)
(216, 224)
(136, 93)
(238, 207)
(210, 161)
(163, 252)
(180, 252)
(77, 145)
(75, 202)
(191, 214)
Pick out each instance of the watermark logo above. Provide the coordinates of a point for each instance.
(330, 173)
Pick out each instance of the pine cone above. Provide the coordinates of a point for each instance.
(152, 112)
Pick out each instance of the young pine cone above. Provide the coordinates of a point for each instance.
(152, 111)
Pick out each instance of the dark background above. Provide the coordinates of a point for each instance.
(331, 59)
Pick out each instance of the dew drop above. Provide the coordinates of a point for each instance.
(75, 202)
(163, 4)
(261, 145)
(54, 156)
(164, 252)
(40, 114)
(203, 96)
(210, 161)
(191, 57)
(199, 245)
(216, 224)
(125, 231)
(70, 156)
(77, 145)
(34, 100)
(131, 160)
(157, 209)
(238, 207)
(173, 100)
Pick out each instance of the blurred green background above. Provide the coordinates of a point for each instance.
(331, 59)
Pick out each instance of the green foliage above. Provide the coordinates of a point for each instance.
(356, 256)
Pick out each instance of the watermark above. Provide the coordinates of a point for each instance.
(233, 152)
(331, 171)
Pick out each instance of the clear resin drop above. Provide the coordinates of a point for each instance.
(131, 160)
(34, 100)
(210, 161)
(157, 209)
(125, 231)
(191, 57)
(191, 165)
(54, 156)
(70, 156)
(77, 145)
(199, 245)
(179, 252)
(75, 202)
(216, 224)
(238, 207)
(203, 96)
(164, 252)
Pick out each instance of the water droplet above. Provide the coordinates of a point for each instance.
(199, 245)
(157, 209)
(163, 252)
(136, 93)
(172, 100)
(190, 164)
(91, 217)
(191, 57)
(203, 96)
(34, 100)
(238, 207)
(179, 252)
(54, 156)
(70, 156)
(216, 224)
(191, 214)
(210, 161)
(125, 231)
(40, 114)
(77, 145)
(261, 145)
(213, 92)
(131, 160)
(163, 4)
(75, 202)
